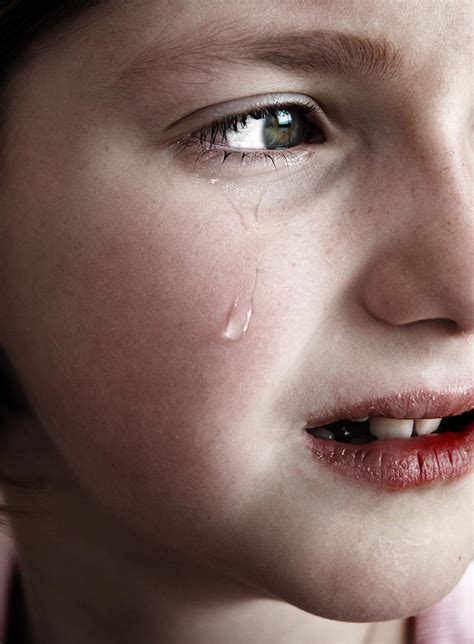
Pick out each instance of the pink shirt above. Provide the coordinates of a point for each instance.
(450, 621)
(6, 559)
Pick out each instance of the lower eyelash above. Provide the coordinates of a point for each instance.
(262, 154)
(281, 156)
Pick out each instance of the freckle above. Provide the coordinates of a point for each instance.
(459, 558)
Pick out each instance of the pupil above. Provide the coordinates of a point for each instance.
(283, 130)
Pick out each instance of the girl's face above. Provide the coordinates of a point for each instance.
(177, 313)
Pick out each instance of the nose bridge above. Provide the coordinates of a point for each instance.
(441, 208)
(437, 158)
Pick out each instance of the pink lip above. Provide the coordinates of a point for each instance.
(419, 403)
(401, 463)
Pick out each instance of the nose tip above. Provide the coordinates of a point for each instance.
(401, 291)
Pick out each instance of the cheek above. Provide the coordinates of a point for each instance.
(117, 318)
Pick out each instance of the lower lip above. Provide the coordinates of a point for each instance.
(400, 463)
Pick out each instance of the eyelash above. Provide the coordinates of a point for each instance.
(206, 137)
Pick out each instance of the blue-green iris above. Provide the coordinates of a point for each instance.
(284, 129)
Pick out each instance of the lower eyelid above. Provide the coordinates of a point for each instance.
(219, 159)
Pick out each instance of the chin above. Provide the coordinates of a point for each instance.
(374, 589)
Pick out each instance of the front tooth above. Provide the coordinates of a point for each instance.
(359, 420)
(391, 427)
(427, 425)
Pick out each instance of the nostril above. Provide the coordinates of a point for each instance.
(402, 289)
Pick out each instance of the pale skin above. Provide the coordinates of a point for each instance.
(180, 504)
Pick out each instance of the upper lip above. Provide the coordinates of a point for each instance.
(419, 403)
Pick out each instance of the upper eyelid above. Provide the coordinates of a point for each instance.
(235, 108)
(313, 108)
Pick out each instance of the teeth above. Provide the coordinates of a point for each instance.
(427, 425)
(382, 428)
(391, 427)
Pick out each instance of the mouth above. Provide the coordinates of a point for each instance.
(360, 431)
(401, 442)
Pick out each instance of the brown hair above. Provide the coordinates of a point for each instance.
(23, 21)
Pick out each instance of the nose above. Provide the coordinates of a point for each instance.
(424, 270)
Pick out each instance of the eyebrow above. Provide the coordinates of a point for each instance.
(336, 53)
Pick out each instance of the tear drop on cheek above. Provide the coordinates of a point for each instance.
(238, 320)
(240, 313)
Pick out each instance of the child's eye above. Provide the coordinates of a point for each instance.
(269, 128)
(253, 134)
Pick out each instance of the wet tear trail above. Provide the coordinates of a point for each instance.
(247, 212)
(246, 206)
